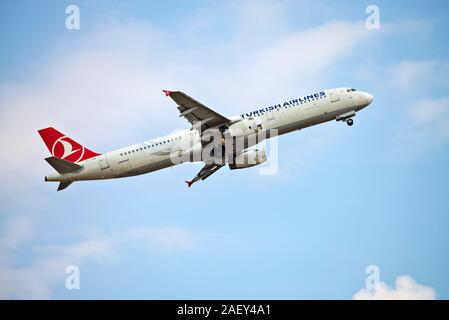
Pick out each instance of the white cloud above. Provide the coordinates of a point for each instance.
(426, 127)
(407, 74)
(410, 75)
(48, 263)
(162, 237)
(432, 112)
(48, 268)
(405, 288)
(18, 230)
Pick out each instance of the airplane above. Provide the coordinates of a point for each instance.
(74, 162)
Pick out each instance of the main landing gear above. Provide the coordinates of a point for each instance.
(350, 122)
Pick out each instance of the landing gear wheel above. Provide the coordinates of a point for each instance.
(350, 122)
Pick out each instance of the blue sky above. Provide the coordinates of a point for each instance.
(342, 198)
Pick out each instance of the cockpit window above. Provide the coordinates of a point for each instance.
(352, 89)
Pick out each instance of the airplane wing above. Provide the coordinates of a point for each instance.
(204, 173)
(195, 112)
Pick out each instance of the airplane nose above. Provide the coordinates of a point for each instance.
(369, 98)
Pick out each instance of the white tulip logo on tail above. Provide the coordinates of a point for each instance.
(67, 149)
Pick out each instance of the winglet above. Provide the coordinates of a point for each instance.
(189, 183)
(167, 92)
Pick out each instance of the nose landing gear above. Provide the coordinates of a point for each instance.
(346, 117)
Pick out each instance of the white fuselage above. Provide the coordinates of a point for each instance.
(156, 154)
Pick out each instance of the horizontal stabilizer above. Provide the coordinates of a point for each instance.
(62, 166)
(64, 184)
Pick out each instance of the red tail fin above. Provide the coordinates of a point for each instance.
(63, 147)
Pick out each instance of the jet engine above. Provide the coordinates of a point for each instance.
(248, 158)
(245, 127)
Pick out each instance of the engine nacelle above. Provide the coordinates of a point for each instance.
(245, 127)
(249, 158)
